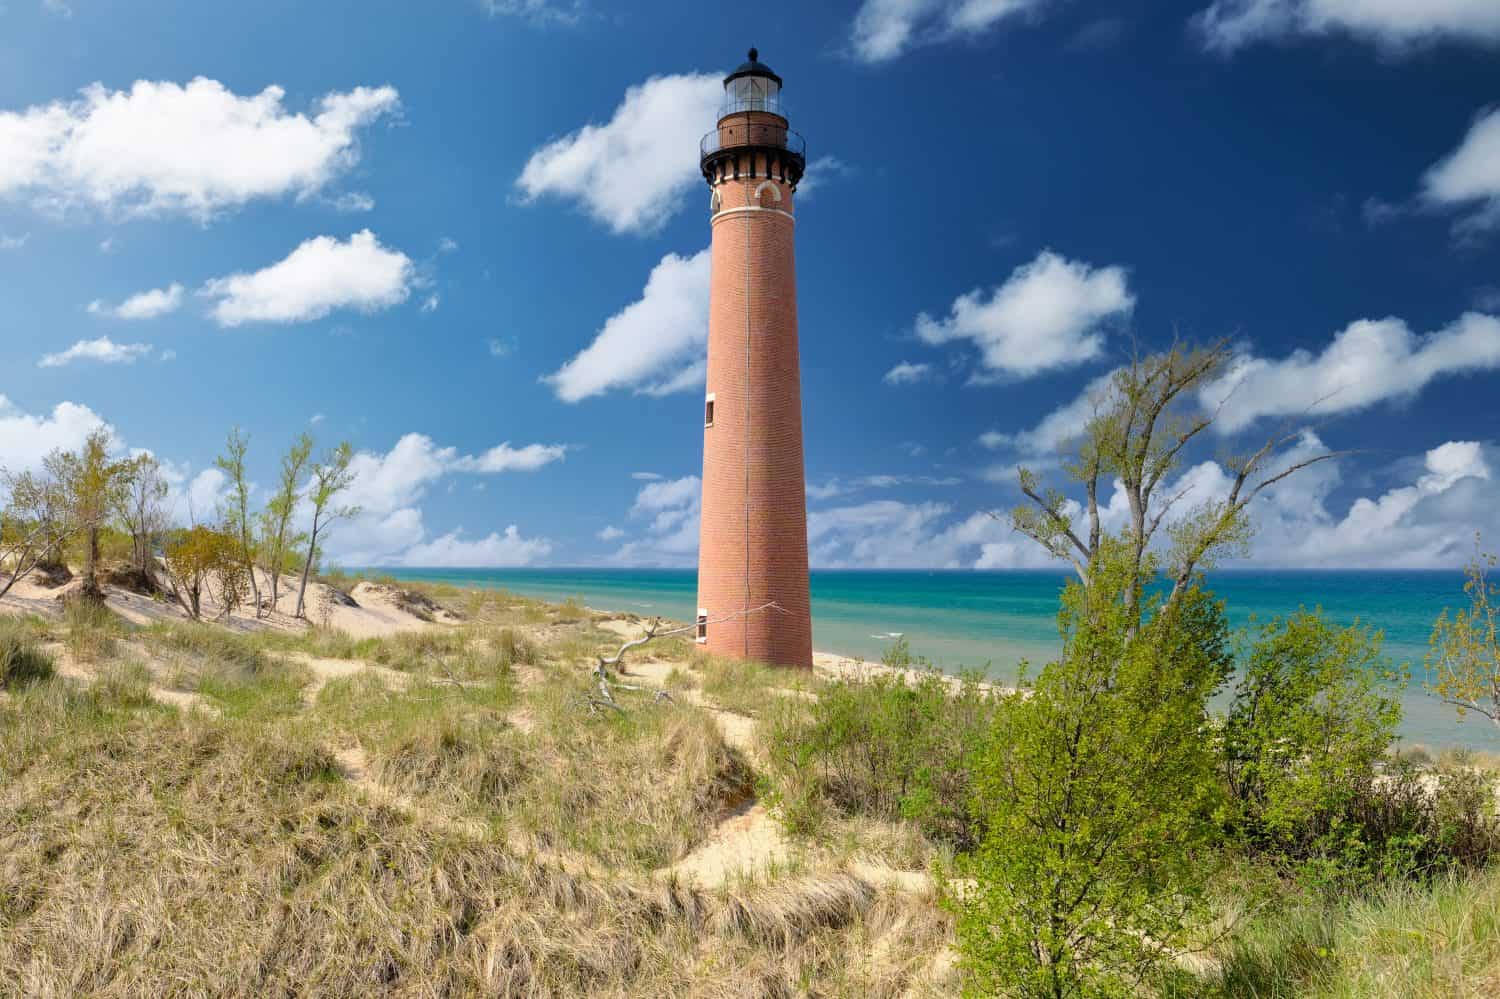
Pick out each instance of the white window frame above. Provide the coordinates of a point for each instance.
(701, 635)
(708, 410)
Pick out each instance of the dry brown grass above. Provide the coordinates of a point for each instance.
(150, 851)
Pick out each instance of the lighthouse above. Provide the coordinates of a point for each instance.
(753, 541)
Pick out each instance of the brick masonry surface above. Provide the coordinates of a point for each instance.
(753, 541)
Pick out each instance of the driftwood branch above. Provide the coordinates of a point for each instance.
(604, 700)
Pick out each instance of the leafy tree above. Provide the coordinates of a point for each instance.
(142, 509)
(278, 539)
(1097, 797)
(197, 557)
(331, 476)
(1137, 434)
(1097, 790)
(92, 486)
(33, 524)
(1463, 659)
(238, 521)
(1308, 725)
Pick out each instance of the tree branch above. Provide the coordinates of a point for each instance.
(605, 699)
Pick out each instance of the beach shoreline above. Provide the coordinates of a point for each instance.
(988, 622)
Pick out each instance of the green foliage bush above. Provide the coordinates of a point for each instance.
(1306, 759)
(1097, 796)
(888, 746)
(1304, 736)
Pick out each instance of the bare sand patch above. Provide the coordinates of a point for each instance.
(747, 843)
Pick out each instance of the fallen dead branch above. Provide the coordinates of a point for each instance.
(605, 699)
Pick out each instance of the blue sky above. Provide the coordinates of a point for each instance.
(467, 238)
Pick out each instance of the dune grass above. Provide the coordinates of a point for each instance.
(214, 857)
(385, 837)
(92, 631)
(454, 820)
(22, 660)
(1412, 940)
(749, 688)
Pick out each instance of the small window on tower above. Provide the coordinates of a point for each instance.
(708, 411)
(702, 625)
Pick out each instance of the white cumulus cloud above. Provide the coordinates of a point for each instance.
(1426, 518)
(199, 149)
(495, 549)
(389, 488)
(1050, 313)
(318, 277)
(103, 350)
(504, 458)
(670, 510)
(142, 305)
(633, 172)
(653, 345)
(907, 373)
(538, 12)
(884, 29)
(1064, 424)
(1470, 175)
(26, 439)
(1227, 25)
(1369, 361)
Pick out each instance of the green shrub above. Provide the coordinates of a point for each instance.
(1302, 741)
(882, 747)
(1307, 726)
(21, 660)
(1097, 795)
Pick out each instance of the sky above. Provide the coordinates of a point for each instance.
(470, 238)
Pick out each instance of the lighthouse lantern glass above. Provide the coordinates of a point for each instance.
(752, 93)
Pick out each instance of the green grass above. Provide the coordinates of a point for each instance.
(418, 651)
(22, 661)
(326, 643)
(92, 631)
(1410, 940)
(748, 688)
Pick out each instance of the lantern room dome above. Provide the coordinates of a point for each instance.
(754, 67)
(754, 86)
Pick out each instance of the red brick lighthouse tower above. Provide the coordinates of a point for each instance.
(753, 542)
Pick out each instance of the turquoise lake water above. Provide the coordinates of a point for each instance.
(995, 619)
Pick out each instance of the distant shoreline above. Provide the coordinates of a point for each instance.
(967, 619)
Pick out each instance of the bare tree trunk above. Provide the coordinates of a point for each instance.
(250, 567)
(91, 590)
(312, 546)
(25, 559)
